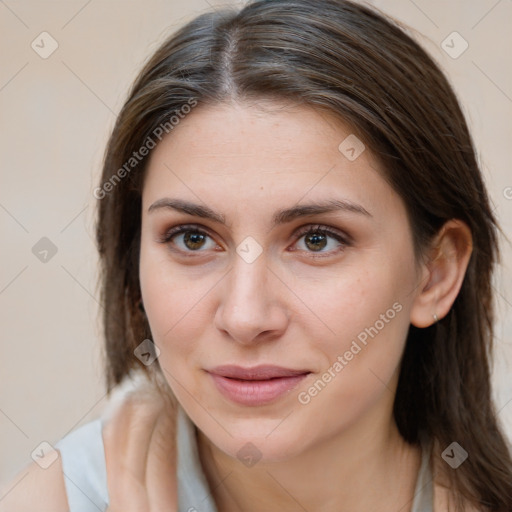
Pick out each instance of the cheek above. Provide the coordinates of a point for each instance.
(370, 320)
(345, 302)
(178, 304)
(361, 324)
(165, 295)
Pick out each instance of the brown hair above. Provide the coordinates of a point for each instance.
(351, 61)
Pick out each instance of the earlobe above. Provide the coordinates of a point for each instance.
(443, 273)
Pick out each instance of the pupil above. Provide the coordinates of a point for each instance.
(316, 239)
(194, 240)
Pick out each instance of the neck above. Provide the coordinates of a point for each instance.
(350, 471)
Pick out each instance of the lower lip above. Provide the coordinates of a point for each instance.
(255, 392)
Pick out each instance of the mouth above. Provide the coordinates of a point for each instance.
(255, 386)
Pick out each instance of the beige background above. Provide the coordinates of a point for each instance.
(56, 114)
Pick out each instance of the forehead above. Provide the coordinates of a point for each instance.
(241, 155)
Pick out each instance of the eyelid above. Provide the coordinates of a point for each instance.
(169, 233)
(341, 236)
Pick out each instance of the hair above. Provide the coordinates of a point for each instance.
(348, 60)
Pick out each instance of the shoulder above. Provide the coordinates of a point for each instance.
(35, 488)
(69, 475)
(444, 499)
(101, 459)
(76, 462)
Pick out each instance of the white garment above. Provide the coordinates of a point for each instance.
(83, 462)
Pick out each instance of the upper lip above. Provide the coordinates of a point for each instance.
(262, 372)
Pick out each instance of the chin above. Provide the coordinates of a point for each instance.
(252, 450)
(257, 440)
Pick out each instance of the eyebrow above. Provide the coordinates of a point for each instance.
(280, 217)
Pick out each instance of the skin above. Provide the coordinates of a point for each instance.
(290, 307)
(342, 450)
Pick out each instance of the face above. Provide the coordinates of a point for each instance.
(264, 243)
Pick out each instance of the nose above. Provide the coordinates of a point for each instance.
(251, 308)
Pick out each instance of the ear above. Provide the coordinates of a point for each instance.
(443, 273)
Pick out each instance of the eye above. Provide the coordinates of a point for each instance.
(189, 239)
(318, 241)
(315, 239)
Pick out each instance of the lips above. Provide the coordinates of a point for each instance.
(255, 386)
(262, 372)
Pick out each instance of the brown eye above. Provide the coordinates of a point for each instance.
(321, 240)
(188, 239)
(194, 240)
(315, 241)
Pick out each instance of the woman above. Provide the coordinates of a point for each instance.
(297, 249)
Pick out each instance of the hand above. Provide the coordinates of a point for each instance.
(140, 453)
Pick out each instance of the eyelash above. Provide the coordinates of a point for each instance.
(300, 233)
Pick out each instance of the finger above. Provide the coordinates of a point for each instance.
(161, 480)
(127, 438)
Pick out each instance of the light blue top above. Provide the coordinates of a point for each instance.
(83, 462)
